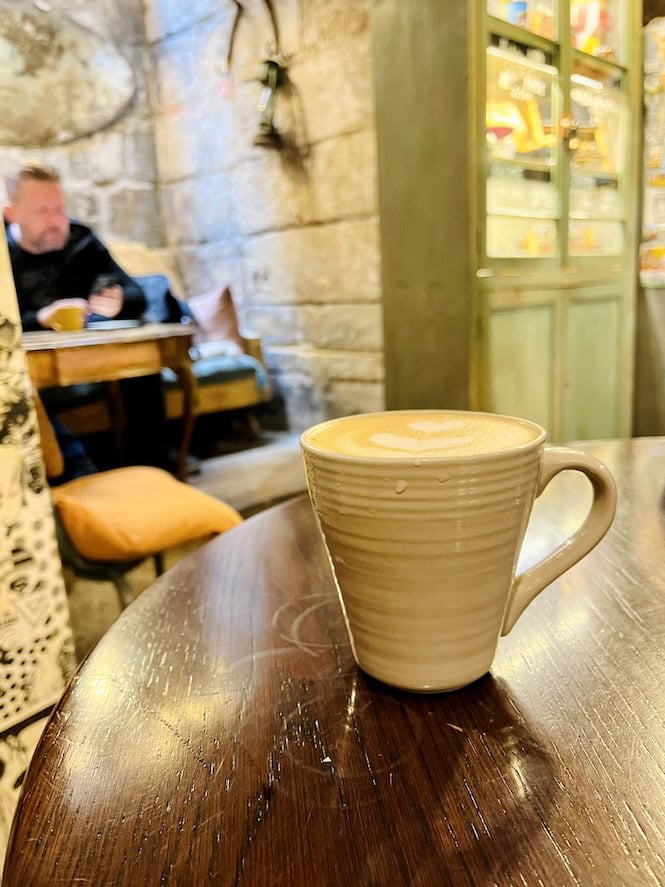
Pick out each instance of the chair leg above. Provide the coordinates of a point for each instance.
(159, 563)
(117, 413)
(249, 424)
(124, 589)
(253, 426)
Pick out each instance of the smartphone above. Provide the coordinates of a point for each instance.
(102, 281)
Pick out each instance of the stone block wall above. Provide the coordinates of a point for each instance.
(110, 177)
(297, 237)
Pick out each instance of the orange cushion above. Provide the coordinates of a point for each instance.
(133, 512)
(216, 317)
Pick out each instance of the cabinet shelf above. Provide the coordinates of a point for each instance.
(594, 217)
(522, 213)
(516, 60)
(503, 28)
(599, 175)
(609, 66)
(515, 163)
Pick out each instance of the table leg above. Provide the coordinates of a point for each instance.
(189, 397)
(117, 414)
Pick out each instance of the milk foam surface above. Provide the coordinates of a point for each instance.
(416, 434)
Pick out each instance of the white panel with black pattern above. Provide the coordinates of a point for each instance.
(36, 647)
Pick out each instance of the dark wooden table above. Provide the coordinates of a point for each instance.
(220, 733)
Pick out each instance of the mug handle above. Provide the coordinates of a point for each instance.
(597, 523)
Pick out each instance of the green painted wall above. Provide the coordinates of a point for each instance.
(419, 57)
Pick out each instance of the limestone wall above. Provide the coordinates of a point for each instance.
(109, 177)
(296, 236)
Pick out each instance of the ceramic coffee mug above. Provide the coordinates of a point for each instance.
(423, 513)
(67, 318)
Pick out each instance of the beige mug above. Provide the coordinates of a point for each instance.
(67, 319)
(423, 514)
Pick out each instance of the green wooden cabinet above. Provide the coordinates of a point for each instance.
(509, 227)
(522, 354)
(560, 357)
(557, 209)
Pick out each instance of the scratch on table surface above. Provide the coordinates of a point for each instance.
(277, 615)
(560, 852)
(254, 657)
(72, 881)
(171, 727)
(292, 635)
(303, 647)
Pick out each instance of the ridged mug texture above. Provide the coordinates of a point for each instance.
(424, 553)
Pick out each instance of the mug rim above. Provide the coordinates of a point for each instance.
(310, 447)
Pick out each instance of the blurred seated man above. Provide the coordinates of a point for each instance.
(57, 261)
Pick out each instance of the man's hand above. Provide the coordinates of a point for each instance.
(107, 302)
(45, 314)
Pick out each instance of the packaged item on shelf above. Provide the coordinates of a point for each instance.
(516, 12)
(538, 241)
(592, 238)
(497, 8)
(652, 248)
(513, 237)
(541, 20)
(593, 28)
(654, 207)
(652, 264)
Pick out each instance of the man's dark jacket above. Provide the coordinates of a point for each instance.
(67, 273)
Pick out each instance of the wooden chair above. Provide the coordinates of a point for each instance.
(107, 523)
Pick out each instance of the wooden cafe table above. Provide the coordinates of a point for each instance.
(116, 352)
(220, 732)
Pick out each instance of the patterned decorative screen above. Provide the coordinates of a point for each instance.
(36, 648)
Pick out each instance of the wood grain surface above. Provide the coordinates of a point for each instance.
(220, 733)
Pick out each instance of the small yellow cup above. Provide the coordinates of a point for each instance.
(67, 319)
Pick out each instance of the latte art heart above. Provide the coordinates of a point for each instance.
(415, 445)
(421, 434)
(430, 427)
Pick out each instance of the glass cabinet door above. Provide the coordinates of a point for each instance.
(556, 129)
(597, 159)
(522, 147)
